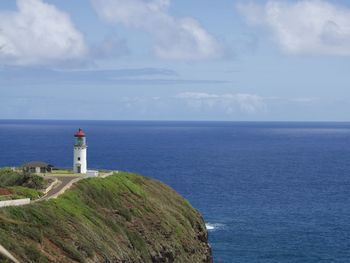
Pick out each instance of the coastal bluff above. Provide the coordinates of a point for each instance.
(121, 218)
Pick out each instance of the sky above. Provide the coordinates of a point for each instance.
(223, 60)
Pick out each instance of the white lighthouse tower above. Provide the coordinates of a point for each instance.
(80, 147)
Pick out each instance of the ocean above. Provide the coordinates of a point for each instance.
(268, 191)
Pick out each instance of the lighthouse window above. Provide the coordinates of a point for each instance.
(78, 158)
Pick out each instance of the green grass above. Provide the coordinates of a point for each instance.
(4, 260)
(48, 175)
(8, 177)
(21, 185)
(124, 217)
(61, 172)
(5, 197)
(24, 192)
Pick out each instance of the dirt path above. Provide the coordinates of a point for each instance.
(65, 183)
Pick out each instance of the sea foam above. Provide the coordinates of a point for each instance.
(213, 227)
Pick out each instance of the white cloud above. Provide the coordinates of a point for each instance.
(313, 27)
(229, 103)
(175, 38)
(38, 33)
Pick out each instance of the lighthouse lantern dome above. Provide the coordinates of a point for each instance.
(80, 133)
(80, 138)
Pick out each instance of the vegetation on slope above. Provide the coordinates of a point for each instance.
(122, 218)
(9, 177)
(19, 192)
(15, 185)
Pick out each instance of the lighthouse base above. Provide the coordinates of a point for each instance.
(80, 163)
(78, 169)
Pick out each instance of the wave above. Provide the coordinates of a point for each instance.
(213, 227)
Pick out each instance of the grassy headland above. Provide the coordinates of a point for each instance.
(122, 218)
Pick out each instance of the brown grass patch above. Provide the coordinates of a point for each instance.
(5, 191)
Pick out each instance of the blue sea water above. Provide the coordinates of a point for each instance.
(269, 192)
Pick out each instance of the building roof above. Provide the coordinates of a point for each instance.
(80, 133)
(37, 164)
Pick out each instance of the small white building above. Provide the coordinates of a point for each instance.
(37, 167)
(80, 153)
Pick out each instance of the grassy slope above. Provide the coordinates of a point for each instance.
(19, 192)
(122, 218)
(21, 185)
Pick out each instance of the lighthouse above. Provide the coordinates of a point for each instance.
(80, 147)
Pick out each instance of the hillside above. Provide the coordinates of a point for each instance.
(122, 218)
(16, 185)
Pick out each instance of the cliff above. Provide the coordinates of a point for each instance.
(122, 218)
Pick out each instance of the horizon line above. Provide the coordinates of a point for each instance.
(179, 120)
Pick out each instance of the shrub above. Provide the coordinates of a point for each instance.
(8, 177)
(33, 181)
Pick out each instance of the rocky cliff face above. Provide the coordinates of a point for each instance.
(122, 218)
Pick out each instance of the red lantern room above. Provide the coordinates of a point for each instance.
(80, 139)
(80, 133)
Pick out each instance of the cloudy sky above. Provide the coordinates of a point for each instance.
(175, 60)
